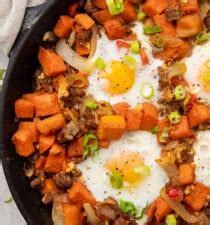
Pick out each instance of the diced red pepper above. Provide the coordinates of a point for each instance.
(144, 57)
(191, 102)
(123, 44)
(174, 193)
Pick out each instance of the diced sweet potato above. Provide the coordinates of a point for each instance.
(188, 26)
(150, 211)
(114, 29)
(198, 197)
(31, 126)
(121, 108)
(104, 144)
(111, 127)
(46, 142)
(84, 20)
(51, 63)
(46, 104)
(151, 7)
(51, 124)
(82, 49)
(198, 114)
(79, 194)
(76, 148)
(134, 119)
(162, 125)
(129, 14)
(167, 27)
(48, 187)
(64, 26)
(23, 141)
(162, 209)
(191, 6)
(186, 174)
(24, 109)
(101, 4)
(31, 96)
(102, 16)
(172, 2)
(144, 57)
(150, 116)
(72, 214)
(55, 159)
(181, 130)
(40, 162)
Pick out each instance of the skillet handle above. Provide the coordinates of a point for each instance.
(1, 126)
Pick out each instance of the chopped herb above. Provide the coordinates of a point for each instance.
(90, 144)
(152, 29)
(2, 71)
(170, 220)
(115, 7)
(174, 117)
(91, 105)
(141, 16)
(116, 180)
(100, 64)
(147, 90)
(9, 200)
(179, 92)
(164, 135)
(154, 130)
(135, 47)
(129, 59)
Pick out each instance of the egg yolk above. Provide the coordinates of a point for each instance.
(204, 76)
(120, 77)
(126, 165)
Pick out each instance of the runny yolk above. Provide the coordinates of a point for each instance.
(126, 164)
(204, 78)
(120, 77)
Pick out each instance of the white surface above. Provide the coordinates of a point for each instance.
(9, 213)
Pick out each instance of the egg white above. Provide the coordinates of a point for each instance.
(194, 65)
(96, 175)
(107, 49)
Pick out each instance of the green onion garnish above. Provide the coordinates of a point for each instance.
(129, 59)
(174, 117)
(90, 145)
(2, 71)
(164, 135)
(115, 7)
(141, 16)
(100, 64)
(147, 90)
(152, 29)
(116, 180)
(202, 37)
(154, 130)
(143, 170)
(91, 105)
(135, 47)
(170, 220)
(179, 92)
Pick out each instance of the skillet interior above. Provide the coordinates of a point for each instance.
(18, 81)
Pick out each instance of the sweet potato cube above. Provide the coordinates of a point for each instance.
(129, 14)
(72, 214)
(23, 141)
(121, 108)
(191, 6)
(152, 7)
(55, 159)
(31, 126)
(101, 4)
(49, 187)
(111, 127)
(150, 116)
(181, 130)
(134, 119)
(51, 124)
(104, 144)
(64, 26)
(79, 194)
(198, 114)
(75, 148)
(51, 63)
(162, 209)
(188, 26)
(102, 16)
(40, 162)
(198, 197)
(186, 174)
(85, 21)
(114, 29)
(24, 109)
(46, 142)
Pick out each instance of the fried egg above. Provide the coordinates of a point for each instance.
(198, 75)
(133, 149)
(119, 81)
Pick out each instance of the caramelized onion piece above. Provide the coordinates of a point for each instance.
(92, 219)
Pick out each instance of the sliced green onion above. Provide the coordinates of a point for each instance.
(130, 209)
(100, 63)
(164, 135)
(90, 145)
(116, 180)
(170, 220)
(135, 47)
(154, 130)
(2, 71)
(143, 170)
(174, 117)
(152, 29)
(160, 42)
(202, 37)
(179, 92)
(129, 59)
(177, 69)
(91, 105)
(147, 90)
(115, 7)
(141, 16)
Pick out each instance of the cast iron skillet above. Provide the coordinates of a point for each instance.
(18, 81)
